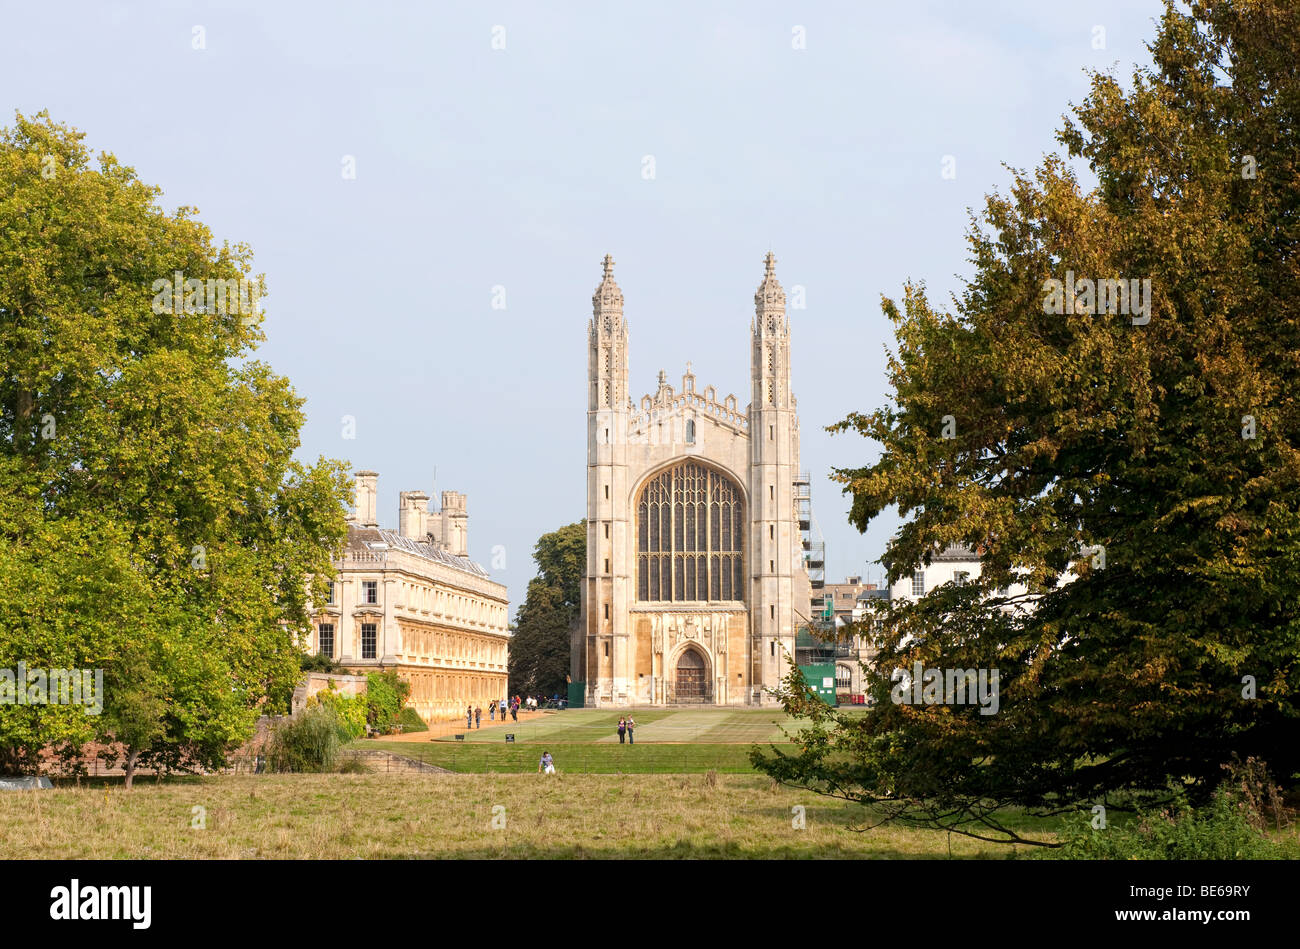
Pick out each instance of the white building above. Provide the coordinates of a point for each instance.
(954, 563)
(411, 600)
(695, 578)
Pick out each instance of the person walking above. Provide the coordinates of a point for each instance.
(514, 711)
(469, 716)
(478, 716)
(630, 726)
(546, 765)
(622, 727)
(492, 711)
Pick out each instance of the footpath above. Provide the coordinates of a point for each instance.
(446, 729)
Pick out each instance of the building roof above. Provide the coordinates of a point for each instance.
(361, 538)
(955, 552)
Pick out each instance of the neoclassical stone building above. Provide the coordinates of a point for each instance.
(411, 600)
(695, 579)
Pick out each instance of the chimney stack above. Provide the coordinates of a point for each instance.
(367, 487)
(455, 523)
(413, 514)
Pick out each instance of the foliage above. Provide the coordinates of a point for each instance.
(1169, 445)
(350, 711)
(154, 523)
(410, 721)
(66, 587)
(1249, 786)
(385, 696)
(307, 743)
(138, 716)
(317, 662)
(1222, 830)
(540, 647)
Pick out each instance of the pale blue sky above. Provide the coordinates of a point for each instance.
(521, 167)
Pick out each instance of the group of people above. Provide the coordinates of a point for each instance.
(474, 713)
(625, 727)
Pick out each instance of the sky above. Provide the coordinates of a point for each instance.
(439, 295)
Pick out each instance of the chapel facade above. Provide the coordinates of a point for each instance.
(696, 580)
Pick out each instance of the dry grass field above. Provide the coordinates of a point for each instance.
(436, 816)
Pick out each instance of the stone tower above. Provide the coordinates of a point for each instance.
(605, 599)
(775, 548)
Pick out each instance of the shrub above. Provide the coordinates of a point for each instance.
(315, 662)
(349, 712)
(385, 696)
(1222, 830)
(1249, 785)
(308, 743)
(411, 721)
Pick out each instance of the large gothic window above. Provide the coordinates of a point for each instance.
(690, 535)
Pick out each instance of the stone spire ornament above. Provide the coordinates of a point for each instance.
(607, 301)
(769, 299)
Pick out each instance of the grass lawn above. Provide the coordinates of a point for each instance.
(668, 741)
(435, 815)
(708, 725)
(574, 758)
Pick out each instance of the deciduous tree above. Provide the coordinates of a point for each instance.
(155, 521)
(539, 650)
(1170, 447)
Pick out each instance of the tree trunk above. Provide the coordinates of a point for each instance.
(131, 760)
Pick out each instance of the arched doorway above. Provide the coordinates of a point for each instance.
(692, 684)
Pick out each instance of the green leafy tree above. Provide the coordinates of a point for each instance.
(137, 715)
(1154, 462)
(151, 502)
(539, 649)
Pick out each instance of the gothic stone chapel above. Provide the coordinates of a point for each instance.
(695, 577)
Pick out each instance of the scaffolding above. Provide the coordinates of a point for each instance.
(808, 647)
(814, 544)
